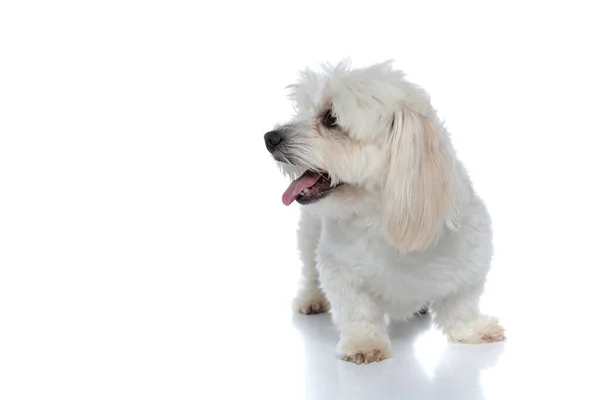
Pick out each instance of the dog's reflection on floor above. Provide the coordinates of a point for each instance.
(456, 375)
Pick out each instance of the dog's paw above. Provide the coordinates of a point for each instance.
(482, 330)
(310, 301)
(364, 350)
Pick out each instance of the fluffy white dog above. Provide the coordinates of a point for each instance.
(390, 222)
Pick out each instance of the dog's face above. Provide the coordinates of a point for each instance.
(372, 130)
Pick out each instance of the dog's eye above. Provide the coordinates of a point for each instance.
(329, 120)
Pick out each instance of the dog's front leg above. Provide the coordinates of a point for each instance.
(310, 298)
(360, 320)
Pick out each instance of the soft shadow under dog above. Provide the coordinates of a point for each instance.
(456, 375)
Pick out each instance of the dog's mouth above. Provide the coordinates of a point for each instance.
(310, 187)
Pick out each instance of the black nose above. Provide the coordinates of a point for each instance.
(273, 139)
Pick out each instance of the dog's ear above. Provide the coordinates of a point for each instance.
(420, 192)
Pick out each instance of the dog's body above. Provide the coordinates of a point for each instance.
(390, 222)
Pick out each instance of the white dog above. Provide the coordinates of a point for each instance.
(390, 222)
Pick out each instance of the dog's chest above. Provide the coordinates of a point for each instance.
(357, 247)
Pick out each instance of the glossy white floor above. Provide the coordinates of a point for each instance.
(144, 250)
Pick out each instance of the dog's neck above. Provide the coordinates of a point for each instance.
(348, 202)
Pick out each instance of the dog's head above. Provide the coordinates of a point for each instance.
(375, 131)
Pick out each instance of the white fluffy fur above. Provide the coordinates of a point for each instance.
(406, 230)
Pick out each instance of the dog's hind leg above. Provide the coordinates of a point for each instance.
(310, 298)
(459, 318)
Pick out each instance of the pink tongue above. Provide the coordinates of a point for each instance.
(307, 180)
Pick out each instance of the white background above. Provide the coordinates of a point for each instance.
(144, 249)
